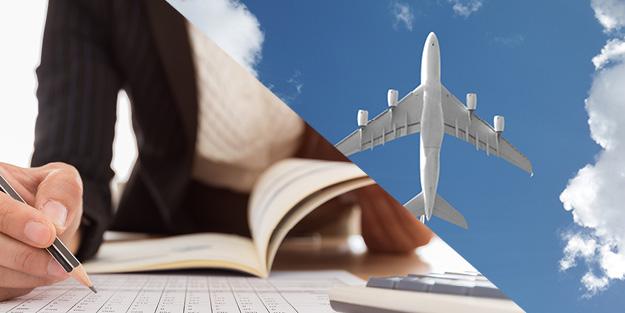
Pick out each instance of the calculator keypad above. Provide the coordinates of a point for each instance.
(463, 284)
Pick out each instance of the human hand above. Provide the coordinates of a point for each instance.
(386, 225)
(53, 194)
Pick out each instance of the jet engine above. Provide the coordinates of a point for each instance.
(471, 101)
(391, 98)
(363, 118)
(499, 122)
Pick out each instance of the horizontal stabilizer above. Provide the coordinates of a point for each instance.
(442, 210)
(416, 205)
(445, 211)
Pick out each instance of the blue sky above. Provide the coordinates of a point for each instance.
(527, 60)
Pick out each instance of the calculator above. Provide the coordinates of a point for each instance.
(431, 293)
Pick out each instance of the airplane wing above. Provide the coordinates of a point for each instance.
(404, 119)
(478, 133)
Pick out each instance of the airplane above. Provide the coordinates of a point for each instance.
(431, 110)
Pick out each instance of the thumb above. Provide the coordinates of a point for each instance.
(59, 194)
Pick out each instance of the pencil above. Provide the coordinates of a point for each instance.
(57, 250)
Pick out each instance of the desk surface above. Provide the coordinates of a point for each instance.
(351, 255)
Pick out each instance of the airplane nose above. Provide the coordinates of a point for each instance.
(432, 39)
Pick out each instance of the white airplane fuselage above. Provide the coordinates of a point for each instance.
(432, 111)
(432, 123)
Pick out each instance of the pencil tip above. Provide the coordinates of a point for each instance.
(93, 289)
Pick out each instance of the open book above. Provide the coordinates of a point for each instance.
(282, 196)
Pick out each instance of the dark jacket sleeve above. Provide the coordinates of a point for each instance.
(77, 93)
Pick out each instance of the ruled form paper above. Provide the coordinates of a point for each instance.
(283, 292)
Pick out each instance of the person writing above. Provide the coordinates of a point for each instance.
(55, 194)
(204, 135)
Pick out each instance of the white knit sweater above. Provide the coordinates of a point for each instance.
(242, 126)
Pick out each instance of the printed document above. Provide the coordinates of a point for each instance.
(287, 292)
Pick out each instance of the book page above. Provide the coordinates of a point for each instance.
(303, 209)
(207, 250)
(287, 184)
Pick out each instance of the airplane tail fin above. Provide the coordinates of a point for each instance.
(442, 209)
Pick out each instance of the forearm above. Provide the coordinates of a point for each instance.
(77, 95)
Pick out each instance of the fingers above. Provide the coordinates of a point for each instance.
(55, 192)
(21, 222)
(387, 226)
(14, 279)
(26, 259)
(59, 195)
(393, 224)
(26, 267)
(419, 233)
(10, 293)
(409, 227)
(372, 231)
(380, 229)
(25, 185)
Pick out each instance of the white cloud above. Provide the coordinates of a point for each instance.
(595, 195)
(594, 284)
(610, 13)
(577, 247)
(402, 15)
(613, 50)
(613, 263)
(290, 89)
(295, 82)
(229, 24)
(465, 8)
